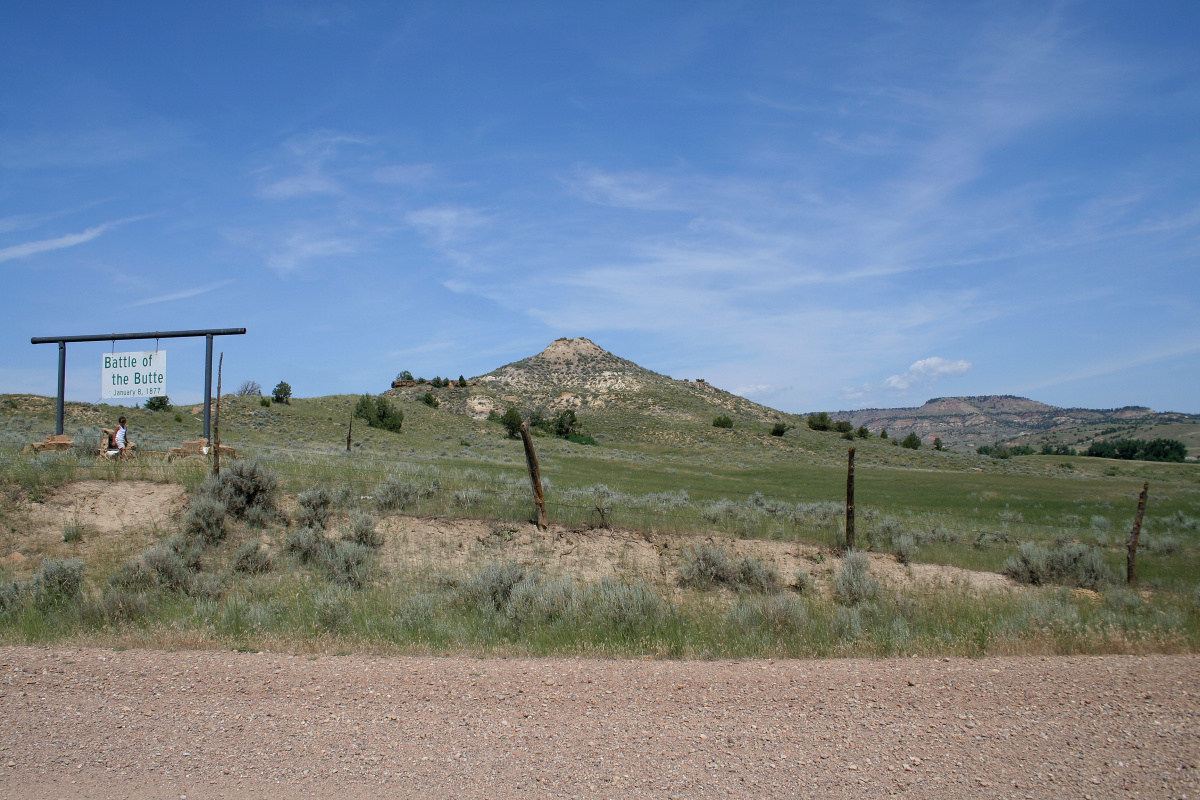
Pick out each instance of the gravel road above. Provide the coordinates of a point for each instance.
(98, 723)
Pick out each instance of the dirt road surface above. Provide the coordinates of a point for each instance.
(194, 725)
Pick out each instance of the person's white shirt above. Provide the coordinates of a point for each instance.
(120, 437)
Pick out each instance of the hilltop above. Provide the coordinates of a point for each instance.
(579, 375)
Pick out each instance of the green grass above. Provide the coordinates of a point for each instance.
(657, 474)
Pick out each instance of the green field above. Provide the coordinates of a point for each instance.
(652, 473)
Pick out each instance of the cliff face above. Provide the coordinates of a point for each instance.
(991, 418)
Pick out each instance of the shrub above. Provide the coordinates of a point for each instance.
(511, 420)
(626, 607)
(430, 399)
(863, 433)
(169, 568)
(332, 609)
(466, 498)
(937, 443)
(119, 604)
(912, 442)
(843, 426)
(722, 422)
(179, 417)
(158, 403)
(307, 544)
(12, 595)
(1080, 565)
(538, 600)
(132, 576)
(779, 429)
(244, 485)
(566, 424)
(779, 614)
(883, 434)
(579, 438)
(347, 563)
(703, 565)
(265, 402)
(399, 493)
(803, 581)
(57, 582)
(820, 421)
(249, 389)
(313, 510)
(205, 587)
(904, 547)
(204, 520)
(854, 582)
(462, 382)
(252, 559)
(378, 413)
(1029, 565)
(282, 393)
(363, 530)
(73, 532)
(491, 587)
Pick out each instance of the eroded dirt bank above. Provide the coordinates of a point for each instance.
(99, 723)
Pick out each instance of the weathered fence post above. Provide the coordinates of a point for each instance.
(350, 432)
(850, 502)
(216, 442)
(535, 476)
(1134, 535)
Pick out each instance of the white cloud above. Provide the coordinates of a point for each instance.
(751, 390)
(623, 190)
(183, 295)
(300, 185)
(445, 223)
(58, 243)
(926, 371)
(301, 247)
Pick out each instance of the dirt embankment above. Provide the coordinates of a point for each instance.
(124, 516)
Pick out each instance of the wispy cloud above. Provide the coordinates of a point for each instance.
(59, 242)
(925, 372)
(446, 223)
(183, 295)
(298, 248)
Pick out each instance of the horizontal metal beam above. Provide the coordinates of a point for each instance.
(113, 337)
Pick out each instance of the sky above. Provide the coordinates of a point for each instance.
(819, 206)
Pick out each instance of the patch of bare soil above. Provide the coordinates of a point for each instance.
(120, 517)
(95, 723)
(455, 546)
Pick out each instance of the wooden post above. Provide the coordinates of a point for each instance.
(535, 476)
(850, 502)
(216, 443)
(350, 432)
(1134, 535)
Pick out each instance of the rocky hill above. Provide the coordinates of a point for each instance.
(578, 374)
(972, 421)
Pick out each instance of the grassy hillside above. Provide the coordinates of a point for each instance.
(673, 481)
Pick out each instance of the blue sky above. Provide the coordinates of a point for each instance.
(819, 206)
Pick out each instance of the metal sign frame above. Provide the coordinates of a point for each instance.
(61, 341)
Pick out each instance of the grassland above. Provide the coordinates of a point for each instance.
(652, 471)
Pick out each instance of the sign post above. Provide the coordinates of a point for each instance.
(61, 341)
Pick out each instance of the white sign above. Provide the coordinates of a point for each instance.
(135, 375)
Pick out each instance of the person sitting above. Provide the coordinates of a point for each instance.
(116, 443)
